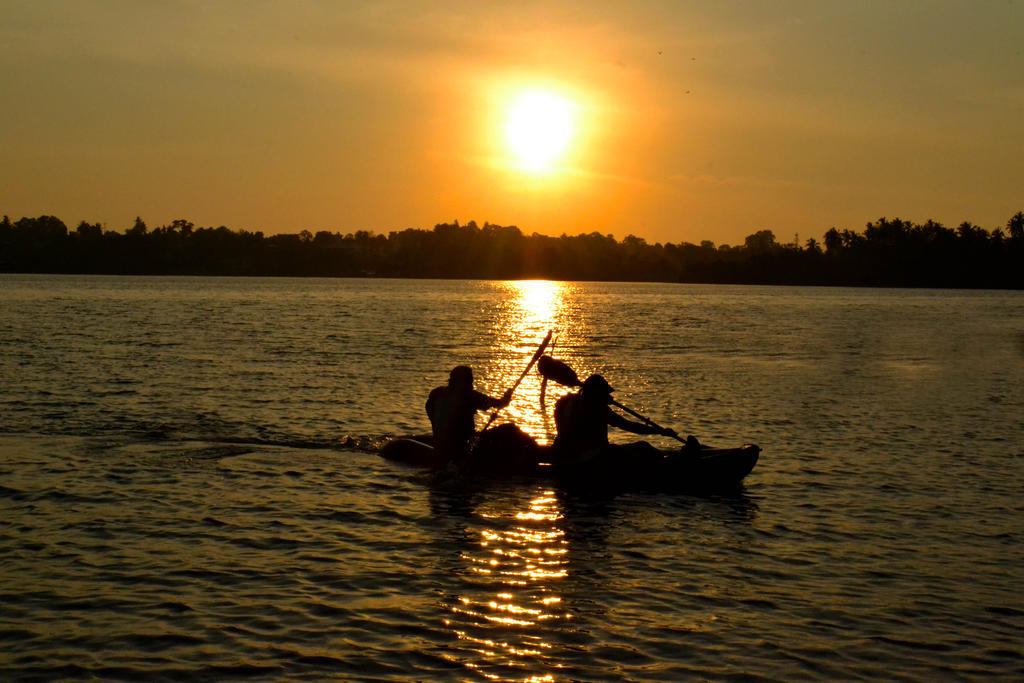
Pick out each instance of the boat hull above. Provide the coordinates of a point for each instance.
(620, 466)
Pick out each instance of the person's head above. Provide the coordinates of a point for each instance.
(596, 388)
(461, 376)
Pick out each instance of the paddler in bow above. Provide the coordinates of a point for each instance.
(452, 410)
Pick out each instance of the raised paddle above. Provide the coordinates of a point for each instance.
(557, 371)
(536, 355)
(543, 375)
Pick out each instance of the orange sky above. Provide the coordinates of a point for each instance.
(692, 120)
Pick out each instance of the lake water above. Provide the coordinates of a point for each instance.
(189, 487)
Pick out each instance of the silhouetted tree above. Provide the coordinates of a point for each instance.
(1014, 226)
(890, 252)
(138, 228)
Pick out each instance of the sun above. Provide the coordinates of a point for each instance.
(538, 129)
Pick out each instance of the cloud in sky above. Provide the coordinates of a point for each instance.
(703, 120)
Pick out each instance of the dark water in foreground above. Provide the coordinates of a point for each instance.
(188, 488)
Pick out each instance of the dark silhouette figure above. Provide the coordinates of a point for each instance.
(582, 420)
(451, 410)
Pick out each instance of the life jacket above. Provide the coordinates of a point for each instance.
(451, 412)
(581, 424)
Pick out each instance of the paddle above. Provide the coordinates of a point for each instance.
(536, 355)
(543, 376)
(646, 419)
(557, 371)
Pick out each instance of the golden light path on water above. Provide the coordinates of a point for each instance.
(516, 556)
(515, 559)
(531, 309)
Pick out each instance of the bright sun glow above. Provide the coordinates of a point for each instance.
(538, 129)
(539, 300)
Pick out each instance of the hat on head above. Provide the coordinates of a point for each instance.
(597, 386)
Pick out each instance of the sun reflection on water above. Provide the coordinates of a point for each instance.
(540, 299)
(511, 603)
(530, 309)
(510, 616)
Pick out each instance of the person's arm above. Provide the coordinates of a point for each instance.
(485, 402)
(616, 420)
(505, 399)
(431, 401)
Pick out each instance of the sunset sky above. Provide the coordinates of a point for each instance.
(675, 121)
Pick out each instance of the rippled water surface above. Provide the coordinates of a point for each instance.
(189, 487)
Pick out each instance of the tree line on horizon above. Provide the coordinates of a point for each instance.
(889, 252)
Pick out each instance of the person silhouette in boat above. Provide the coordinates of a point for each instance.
(582, 420)
(452, 410)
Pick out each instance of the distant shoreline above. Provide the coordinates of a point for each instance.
(4, 273)
(888, 253)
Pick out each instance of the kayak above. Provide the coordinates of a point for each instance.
(509, 452)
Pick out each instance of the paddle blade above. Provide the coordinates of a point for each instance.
(557, 371)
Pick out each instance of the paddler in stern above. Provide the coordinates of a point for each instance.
(452, 410)
(582, 420)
